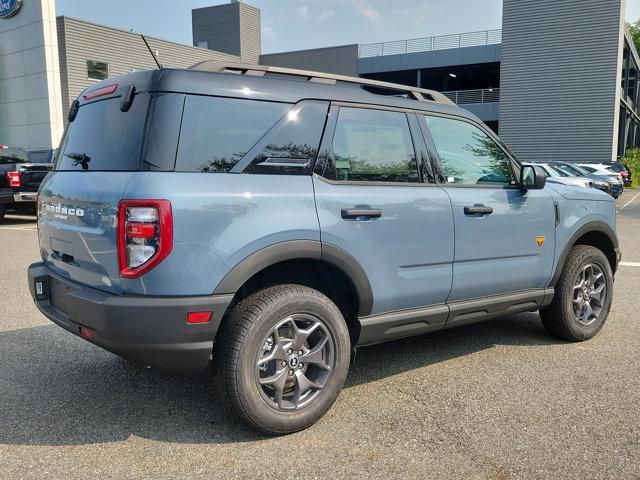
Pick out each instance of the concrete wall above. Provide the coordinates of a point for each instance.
(432, 59)
(232, 28)
(123, 51)
(30, 101)
(560, 78)
(342, 60)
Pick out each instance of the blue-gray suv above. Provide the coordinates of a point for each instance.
(272, 220)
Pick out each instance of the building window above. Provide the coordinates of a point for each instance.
(97, 70)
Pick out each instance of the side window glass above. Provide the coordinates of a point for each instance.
(163, 129)
(468, 156)
(373, 146)
(217, 132)
(292, 145)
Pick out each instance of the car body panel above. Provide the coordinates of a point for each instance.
(407, 253)
(498, 253)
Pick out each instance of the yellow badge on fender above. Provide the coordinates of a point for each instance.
(540, 241)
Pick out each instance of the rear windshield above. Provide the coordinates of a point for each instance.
(40, 156)
(103, 138)
(13, 155)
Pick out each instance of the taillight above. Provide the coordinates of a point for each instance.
(145, 235)
(14, 179)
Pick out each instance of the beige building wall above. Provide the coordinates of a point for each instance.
(30, 94)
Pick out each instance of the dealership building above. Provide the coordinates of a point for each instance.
(558, 81)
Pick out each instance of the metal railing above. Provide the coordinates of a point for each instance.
(428, 44)
(466, 97)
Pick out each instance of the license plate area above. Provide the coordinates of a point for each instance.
(58, 292)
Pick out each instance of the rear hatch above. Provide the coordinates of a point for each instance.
(78, 201)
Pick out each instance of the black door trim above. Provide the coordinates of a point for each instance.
(416, 321)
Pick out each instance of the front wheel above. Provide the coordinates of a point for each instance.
(282, 357)
(583, 296)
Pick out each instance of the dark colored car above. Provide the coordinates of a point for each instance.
(20, 178)
(576, 171)
(624, 171)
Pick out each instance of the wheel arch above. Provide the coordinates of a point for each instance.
(596, 234)
(303, 260)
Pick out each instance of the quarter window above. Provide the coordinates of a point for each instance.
(468, 156)
(97, 70)
(217, 132)
(373, 146)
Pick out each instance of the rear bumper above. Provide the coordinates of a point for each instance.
(152, 331)
(10, 197)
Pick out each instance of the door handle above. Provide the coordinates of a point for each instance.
(361, 212)
(478, 210)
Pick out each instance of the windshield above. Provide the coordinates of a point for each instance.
(617, 167)
(103, 138)
(559, 172)
(41, 156)
(13, 155)
(570, 170)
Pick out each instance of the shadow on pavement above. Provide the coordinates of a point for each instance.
(56, 389)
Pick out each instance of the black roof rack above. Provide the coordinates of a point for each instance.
(420, 94)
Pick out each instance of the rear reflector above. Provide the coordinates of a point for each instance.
(100, 92)
(85, 332)
(14, 179)
(198, 317)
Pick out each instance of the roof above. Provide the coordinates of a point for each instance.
(284, 88)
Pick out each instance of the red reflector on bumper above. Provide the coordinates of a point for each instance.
(85, 332)
(199, 317)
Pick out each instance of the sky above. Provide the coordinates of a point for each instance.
(300, 24)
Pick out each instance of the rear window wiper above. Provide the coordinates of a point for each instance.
(79, 159)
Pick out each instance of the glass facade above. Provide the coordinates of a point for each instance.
(629, 133)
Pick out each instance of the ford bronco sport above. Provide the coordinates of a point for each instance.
(271, 220)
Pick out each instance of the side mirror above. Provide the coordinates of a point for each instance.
(532, 177)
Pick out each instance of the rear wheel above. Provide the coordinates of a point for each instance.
(282, 357)
(2, 210)
(583, 296)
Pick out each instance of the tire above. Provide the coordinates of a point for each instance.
(244, 358)
(2, 214)
(560, 318)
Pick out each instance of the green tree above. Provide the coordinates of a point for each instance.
(634, 28)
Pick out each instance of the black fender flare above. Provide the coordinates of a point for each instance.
(593, 226)
(300, 250)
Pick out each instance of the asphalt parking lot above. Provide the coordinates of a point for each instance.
(497, 400)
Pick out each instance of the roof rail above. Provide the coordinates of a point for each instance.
(420, 94)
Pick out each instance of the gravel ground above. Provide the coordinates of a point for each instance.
(496, 400)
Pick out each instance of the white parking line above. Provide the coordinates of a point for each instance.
(630, 264)
(629, 202)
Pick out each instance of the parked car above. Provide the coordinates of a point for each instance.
(602, 171)
(556, 175)
(44, 156)
(624, 172)
(576, 171)
(273, 220)
(19, 181)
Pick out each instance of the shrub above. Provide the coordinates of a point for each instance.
(632, 160)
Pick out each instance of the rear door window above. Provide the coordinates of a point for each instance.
(373, 146)
(218, 132)
(103, 138)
